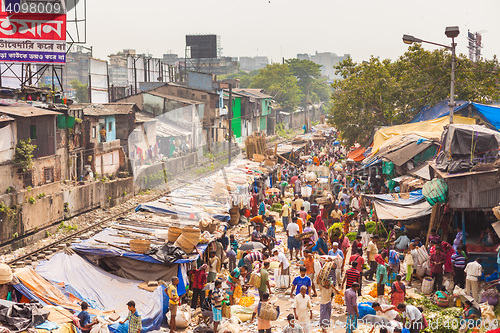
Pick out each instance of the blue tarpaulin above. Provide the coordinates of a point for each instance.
(98, 245)
(105, 291)
(489, 113)
(439, 110)
(414, 197)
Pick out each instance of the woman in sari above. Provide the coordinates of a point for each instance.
(319, 224)
(233, 281)
(448, 252)
(398, 291)
(471, 315)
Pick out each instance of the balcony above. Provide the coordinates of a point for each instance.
(108, 146)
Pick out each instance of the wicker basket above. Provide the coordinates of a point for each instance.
(173, 234)
(234, 212)
(496, 211)
(140, 245)
(304, 235)
(188, 239)
(5, 274)
(206, 225)
(325, 272)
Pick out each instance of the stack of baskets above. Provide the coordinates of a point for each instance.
(5, 274)
(140, 245)
(325, 272)
(188, 239)
(208, 225)
(173, 234)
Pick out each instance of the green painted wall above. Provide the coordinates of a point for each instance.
(236, 121)
(265, 106)
(263, 123)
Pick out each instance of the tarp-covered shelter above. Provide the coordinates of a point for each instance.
(464, 146)
(357, 155)
(400, 206)
(431, 129)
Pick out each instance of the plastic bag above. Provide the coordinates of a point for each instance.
(365, 309)
(183, 317)
(427, 286)
(283, 281)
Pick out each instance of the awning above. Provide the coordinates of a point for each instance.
(392, 211)
(357, 154)
(402, 199)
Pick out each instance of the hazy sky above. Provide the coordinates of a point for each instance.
(283, 28)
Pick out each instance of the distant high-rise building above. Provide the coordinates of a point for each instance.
(253, 63)
(171, 58)
(327, 60)
(118, 72)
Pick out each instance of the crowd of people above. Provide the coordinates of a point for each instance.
(316, 236)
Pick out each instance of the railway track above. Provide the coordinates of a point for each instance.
(60, 244)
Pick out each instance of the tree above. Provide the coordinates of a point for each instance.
(384, 93)
(308, 74)
(277, 81)
(81, 91)
(244, 77)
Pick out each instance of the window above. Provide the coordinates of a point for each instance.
(203, 96)
(27, 179)
(48, 174)
(33, 132)
(93, 132)
(110, 126)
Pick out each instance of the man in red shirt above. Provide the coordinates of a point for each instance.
(199, 282)
(351, 275)
(437, 261)
(358, 257)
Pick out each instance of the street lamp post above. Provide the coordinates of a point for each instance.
(450, 32)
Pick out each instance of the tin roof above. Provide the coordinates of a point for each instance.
(105, 109)
(26, 111)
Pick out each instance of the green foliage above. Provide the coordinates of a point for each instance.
(144, 192)
(312, 86)
(244, 77)
(125, 193)
(24, 155)
(47, 234)
(104, 179)
(370, 227)
(81, 91)
(9, 211)
(41, 195)
(15, 235)
(66, 207)
(9, 189)
(384, 93)
(352, 236)
(66, 227)
(276, 207)
(282, 132)
(278, 81)
(31, 200)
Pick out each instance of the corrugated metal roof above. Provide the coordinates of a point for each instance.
(26, 111)
(257, 93)
(175, 98)
(5, 118)
(105, 109)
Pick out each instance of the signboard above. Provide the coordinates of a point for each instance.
(32, 34)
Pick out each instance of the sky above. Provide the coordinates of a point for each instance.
(283, 28)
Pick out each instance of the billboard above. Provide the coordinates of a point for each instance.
(202, 46)
(98, 70)
(32, 34)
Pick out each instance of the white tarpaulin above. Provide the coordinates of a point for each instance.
(7, 136)
(393, 211)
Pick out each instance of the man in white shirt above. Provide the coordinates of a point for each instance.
(413, 315)
(386, 311)
(307, 206)
(473, 272)
(302, 309)
(355, 203)
(293, 244)
(284, 264)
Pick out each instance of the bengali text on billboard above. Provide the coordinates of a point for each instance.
(33, 38)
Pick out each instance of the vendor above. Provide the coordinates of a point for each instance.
(258, 221)
(7, 291)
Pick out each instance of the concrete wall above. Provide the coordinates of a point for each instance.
(56, 204)
(107, 164)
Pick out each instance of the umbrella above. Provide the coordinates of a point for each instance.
(252, 246)
(273, 190)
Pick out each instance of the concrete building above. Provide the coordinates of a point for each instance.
(327, 60)
(253, 63)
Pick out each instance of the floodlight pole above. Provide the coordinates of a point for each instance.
(452, 84)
